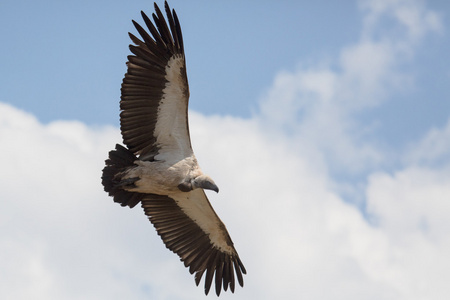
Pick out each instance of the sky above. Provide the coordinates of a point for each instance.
(325, 124)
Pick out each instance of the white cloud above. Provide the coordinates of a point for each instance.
(61, 237)
(413, 17)
(433, 148)
(412, 207)
(319, 103)
(64, 239)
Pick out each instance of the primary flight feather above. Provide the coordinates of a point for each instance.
(158, 167)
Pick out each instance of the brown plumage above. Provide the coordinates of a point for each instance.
(158, 168)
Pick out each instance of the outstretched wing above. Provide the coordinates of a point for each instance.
(189, 226)
(155, 92)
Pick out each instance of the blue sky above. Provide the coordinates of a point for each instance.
(71, 56)
(234, 50)
(326, 125)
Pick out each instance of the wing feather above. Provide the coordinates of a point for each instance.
(155, 92)
(163, 29)
(172, 27)
(189, 227)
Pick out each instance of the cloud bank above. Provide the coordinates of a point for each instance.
(286, 196)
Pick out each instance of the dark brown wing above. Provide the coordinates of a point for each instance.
(189, 227)
(155, 90)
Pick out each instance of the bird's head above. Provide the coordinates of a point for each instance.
(204, 182)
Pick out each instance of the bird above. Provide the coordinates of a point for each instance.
(157, 166)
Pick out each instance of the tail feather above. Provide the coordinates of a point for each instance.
(119, 161)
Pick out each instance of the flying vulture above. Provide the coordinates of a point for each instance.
(158, 168)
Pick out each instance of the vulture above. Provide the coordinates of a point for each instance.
(158, 168)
